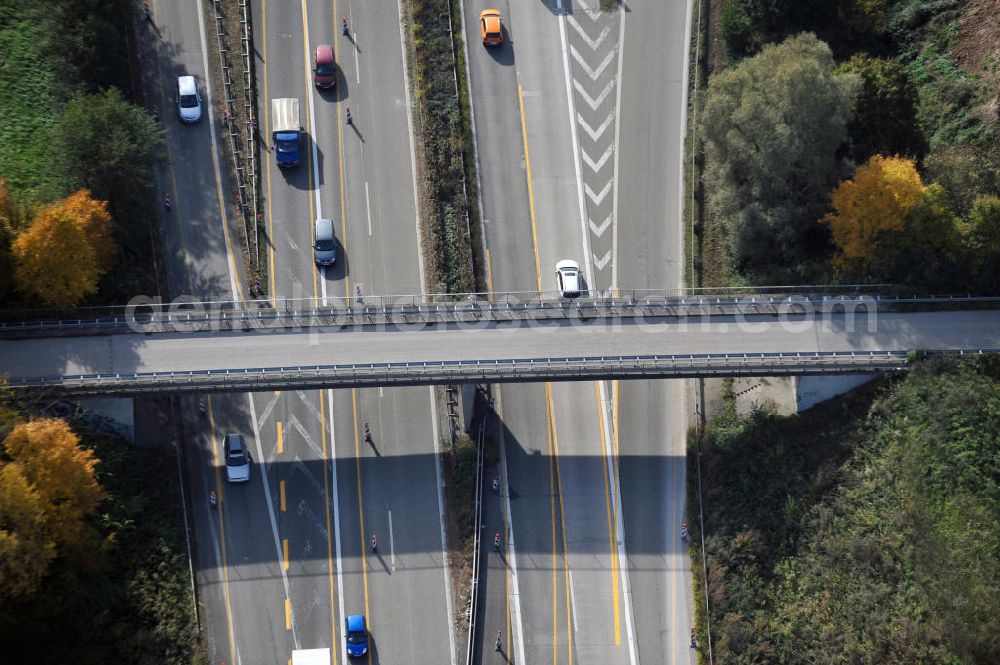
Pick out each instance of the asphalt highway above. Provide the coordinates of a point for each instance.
(578, 146)
(237, 561)
(341, 488)
(283, 558)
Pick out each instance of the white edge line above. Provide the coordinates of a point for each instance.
(571, 107)
(368, 205)
(475, 140)
(618, 115)
(215, 147)
(680, 157)
(572, 601)
(336, 518)
(442, 521)
(616, 498)
(270, 512)
(685, 82)
(315, 145)
(413, 156)
(392, 544)
(515, 591)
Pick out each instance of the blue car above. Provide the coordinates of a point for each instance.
(356, 635)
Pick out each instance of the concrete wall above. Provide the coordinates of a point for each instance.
(811, 390)
(113, 415)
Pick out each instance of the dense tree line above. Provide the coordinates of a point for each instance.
(92, 568)
(789, 131)
(69, 124)
(866, 530)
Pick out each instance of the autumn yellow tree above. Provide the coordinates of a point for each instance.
(26, 546)
(92, 218)
(61, 256)
(49, 456)
(874, 202)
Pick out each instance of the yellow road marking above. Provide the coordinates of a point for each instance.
(277, 393)
(489, 273)
(284, 553)
(307, 161)
(266, 159)
(615, 421)
(334, 637)
(281, 493)
(503, 516)
(288, 614)
(531, 197)
(281, 438)
(340, 164)
(222, 532)
(361, 508)
(562, 522)
(609, 508)
(552, 520)
(329, 536)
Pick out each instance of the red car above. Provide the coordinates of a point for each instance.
(324, 68)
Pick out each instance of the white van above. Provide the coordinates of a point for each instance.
(324, 245)
(188, 99)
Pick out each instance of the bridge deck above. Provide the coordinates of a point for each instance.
(54, 358)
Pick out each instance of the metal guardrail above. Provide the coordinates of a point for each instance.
(515, 370)
(473, 613)
(410, 310)
(108, 311)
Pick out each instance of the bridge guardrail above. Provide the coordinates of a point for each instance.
(105, 312)
(515, 370)
(186, 316)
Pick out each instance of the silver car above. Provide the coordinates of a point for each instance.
(324, 244)
(237, 459)
(188, 99)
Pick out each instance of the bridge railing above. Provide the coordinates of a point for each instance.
(185, 315)
(481, 371)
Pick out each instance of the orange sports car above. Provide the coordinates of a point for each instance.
(491, 27)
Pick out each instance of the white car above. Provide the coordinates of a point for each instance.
(568, 277)
(188, 99)
(237, 459)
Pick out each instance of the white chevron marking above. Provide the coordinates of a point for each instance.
(594, 134)
(595, 197)
(594, 103)
(599, 230)
(599, 263)
(596, 166)
(590, 42)
(592, 73)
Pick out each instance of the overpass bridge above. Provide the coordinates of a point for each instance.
(360, 344)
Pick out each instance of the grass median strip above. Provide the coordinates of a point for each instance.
(444, 161)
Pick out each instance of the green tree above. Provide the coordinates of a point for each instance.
(928, 253)
(885, 119)
(109, 146)
(748, 25)
(773, 126)
(983, 239)
(966, 170)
